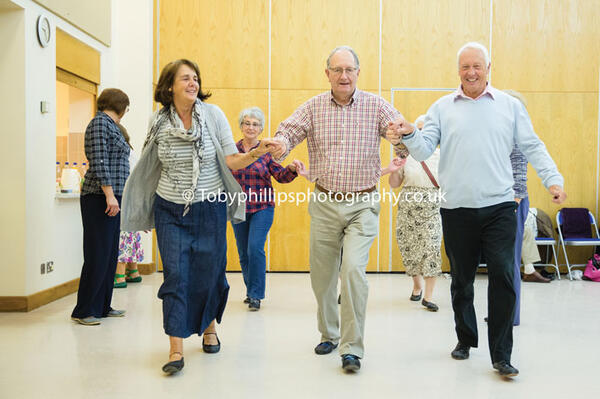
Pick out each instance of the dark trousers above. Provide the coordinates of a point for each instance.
(100, 252)
(469, 233)
(522, 211)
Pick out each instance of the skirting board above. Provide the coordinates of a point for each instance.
(30, 302)
(146, 268)
(33, 301)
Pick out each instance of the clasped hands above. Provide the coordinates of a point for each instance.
(398, 128)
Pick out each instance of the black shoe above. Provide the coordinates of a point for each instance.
(432, 307)
(461, 352)
(325, 347)
(254, 304)
(247, 300)
(505, 369)
(350, 362)
(211, 348)
(416, 298)
(174, 366)
(549, 275)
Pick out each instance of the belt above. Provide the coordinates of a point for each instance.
(338, 194)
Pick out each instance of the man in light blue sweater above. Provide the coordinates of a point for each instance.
(476, 127)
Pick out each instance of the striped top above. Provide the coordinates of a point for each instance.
(176, 156)
(343, 140)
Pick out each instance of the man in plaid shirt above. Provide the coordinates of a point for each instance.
(343, 128)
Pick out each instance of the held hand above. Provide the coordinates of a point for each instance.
(296, 166)
(301, 169)
(262, 148)
(392, 135)
(276, 147)
(401, 127)
(396, 164)
(518, 200)
(112, 206)
(558, 195)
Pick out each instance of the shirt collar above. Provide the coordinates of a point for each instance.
(489, 91)
(354, 98)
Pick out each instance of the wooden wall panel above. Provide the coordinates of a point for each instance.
(305, 32)
(227, 39)
(291, 227)
(232, 101)
(567, 123)
(421, 38)
(546, 45)
(548, 50)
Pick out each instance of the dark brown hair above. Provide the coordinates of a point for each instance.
(113, 100)
(125, 135)
(163, 93)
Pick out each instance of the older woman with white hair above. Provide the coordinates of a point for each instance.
(418, 223)
(255, 180)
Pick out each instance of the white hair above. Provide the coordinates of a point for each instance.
(421, 118)
(341, 48)
(477, 46)
(252, 112)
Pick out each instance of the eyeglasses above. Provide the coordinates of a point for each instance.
(339, 71)
(254, 125)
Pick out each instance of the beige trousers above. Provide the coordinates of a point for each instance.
(529, 251)
(351, 227)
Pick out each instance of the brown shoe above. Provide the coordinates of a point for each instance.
(535, 277)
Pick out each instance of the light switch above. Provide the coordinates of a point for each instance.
(44, 107)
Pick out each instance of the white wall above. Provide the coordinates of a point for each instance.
(132, 46)
(12, 151)
(53, 227)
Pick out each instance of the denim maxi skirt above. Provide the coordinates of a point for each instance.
(193, 249)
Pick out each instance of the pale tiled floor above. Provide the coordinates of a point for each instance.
(269, 354)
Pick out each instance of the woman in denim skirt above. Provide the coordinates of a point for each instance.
(183, 187)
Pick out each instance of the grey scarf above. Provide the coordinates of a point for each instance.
(167, 119)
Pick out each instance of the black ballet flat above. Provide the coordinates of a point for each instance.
(211, 348)
(173, 367)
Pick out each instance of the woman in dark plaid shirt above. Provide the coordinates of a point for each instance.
(108, 156)
(255, 180)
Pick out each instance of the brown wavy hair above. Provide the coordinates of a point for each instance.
(162, 93)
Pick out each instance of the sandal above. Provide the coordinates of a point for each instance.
(122, 284)
(130, 279)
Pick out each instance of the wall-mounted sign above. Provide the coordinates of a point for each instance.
(43, 30)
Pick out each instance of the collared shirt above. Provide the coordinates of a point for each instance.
(486, 92)
(343, 140)
(108, 156)
(255, 180)
(476, 138)
(519, 169)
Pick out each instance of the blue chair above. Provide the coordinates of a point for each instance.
(578, 242)
(548, 242)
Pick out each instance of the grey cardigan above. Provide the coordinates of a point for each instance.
(137, 204)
